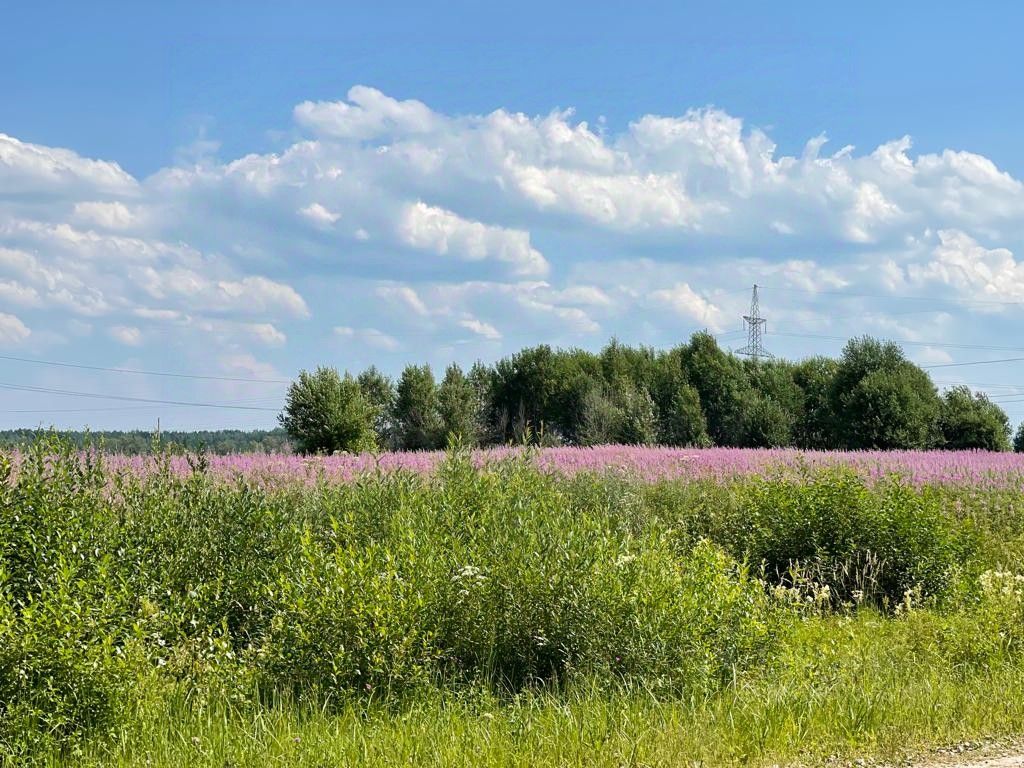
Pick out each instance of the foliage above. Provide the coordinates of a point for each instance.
(814, 427)
(138, 442)
(1018, 439)
(879, 399)
(723, 385)
(417, 418)
(121, 593)
(969, 421)
(118, 589)
(682, 421)
(325, 412)
(379, 391)
(459, 407)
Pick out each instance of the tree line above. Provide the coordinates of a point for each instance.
(696, 394)
(136, 442)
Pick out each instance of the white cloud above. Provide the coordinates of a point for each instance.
(113, 215)
(367, 114)
(975, 272)
(28, 168)
(369, 336)
(404, 296)
(127, 335)
(267, 334)
(319, 215)
(930, 356)
(434, 229)
(12, 330)
(683, 300)
(538, 225)
(481, 328)
(263, 295)
(244, 364)
(14, 292)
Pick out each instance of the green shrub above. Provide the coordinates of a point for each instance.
(878, 541)
(501, 577)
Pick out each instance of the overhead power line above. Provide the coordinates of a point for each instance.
(127, 398)
(168, 374)
(123, 408)
(975, 362)
(910, 342)
(901, 297)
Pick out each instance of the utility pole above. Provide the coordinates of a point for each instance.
(754, 325)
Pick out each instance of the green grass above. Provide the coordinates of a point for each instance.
(499, 617)
(866, 686)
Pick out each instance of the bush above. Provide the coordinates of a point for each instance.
(325, 412)
(880, 542)
(500, 577)
(67, 652)
(969, 421)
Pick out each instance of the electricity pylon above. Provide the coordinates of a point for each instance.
(754, 325)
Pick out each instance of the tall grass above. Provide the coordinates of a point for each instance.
(489, 611)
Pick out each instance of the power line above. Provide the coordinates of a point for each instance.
(168, 374)
(975, 362)
(71, 393)
(909, 342)
(901, 297)
(121, 408)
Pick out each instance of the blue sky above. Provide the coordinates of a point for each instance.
(238, 194)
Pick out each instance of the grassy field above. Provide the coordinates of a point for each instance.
(500, 615)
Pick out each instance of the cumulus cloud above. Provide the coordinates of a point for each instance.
(481, 328)
(267, 334)
(113, 215)
(319, 215)
(975, 272)
(386, 221)
(683, 300)
(12, 330)
(369, 336)
(367, 114)
(127, 335)
(32, 167)
(443, 232)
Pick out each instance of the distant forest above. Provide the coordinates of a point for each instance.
(219, 441)
(695, 394)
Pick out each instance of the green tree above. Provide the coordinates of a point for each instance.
(774, 405)
(973, 421)
(325, 412)
(682, 421)
(481, 378)
(458, 407)
(882, 400)
(601, 418)
(639, 418)
(379, 391)
(722, 383)
(766, 423)
(1018, 439)
(417, 418)
(815, 425)
(539, 390)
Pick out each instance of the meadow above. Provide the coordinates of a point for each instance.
(607, 606)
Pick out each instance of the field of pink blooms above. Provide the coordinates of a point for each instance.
(975, 468)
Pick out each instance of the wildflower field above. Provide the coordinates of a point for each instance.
(608, 606)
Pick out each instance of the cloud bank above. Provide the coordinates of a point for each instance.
(386, 228)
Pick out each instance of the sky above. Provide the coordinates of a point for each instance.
(199, 200)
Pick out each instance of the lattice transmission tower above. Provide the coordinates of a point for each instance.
(754, 325)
